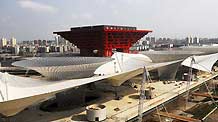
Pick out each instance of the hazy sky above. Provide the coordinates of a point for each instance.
(37, 19)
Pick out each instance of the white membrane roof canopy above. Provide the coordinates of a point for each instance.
(60, 68)
(203, 63)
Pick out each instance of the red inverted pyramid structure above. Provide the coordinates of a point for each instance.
(103, 38)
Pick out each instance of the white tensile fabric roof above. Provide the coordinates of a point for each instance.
(15, 87)
(203, 63)
(62, 68)
(123, 62)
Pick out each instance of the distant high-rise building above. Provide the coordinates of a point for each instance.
(36, 42)
(17, 49)
(13, 42)
(56, 40)
(190, 40)
(40, 42)
(187, 40)
(196, 40)
(44, 42)
(148, 38)
(148, 42)
(3, 42)
(153, 39)
(47, 49)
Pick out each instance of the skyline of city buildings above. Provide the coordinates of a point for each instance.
(60, 45)
(33, 47)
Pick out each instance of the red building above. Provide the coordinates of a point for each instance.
(103, 39)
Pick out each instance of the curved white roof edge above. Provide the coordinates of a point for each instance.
(16, 87)
(22, 91)
(123, 62)
(61, 68)
(203, 63)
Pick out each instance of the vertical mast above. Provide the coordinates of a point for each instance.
(142, 95)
